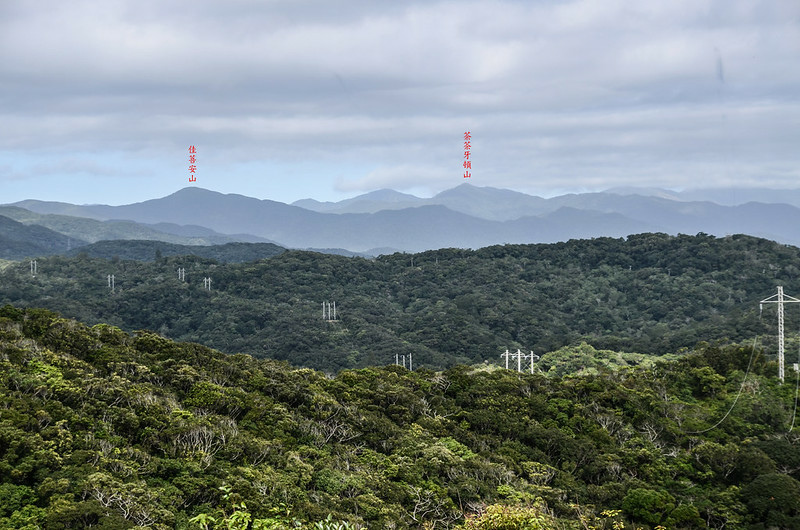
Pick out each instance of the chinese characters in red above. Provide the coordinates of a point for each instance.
(192, 162)
(467, 161)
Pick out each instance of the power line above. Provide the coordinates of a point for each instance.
(796, 367)
(796, 388)
(737, 395)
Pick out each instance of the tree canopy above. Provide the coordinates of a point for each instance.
(651, 294)
(107, 429)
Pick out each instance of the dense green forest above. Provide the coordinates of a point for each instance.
(103, 429)
(146, 250)
(649, 293)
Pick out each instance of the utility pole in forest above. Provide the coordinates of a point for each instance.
(328, 311)
(534, 357)
(779, 299)
(398, 357)
(519, 356)
(507, 355)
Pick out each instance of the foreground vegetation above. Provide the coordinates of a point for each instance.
(105, 429)
(651, 293)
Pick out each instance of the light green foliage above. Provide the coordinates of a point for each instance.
(329, 524)
(238, 517)
(500, 517)
(457, 448)
(583, 359)
(18, 508)
(706, 382)
(106, 430)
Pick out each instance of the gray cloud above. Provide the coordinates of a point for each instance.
(582, 93)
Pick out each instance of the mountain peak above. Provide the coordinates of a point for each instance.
(386, 194)
(466, 187)
(195, 191)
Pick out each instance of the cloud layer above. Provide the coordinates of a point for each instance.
(559, 95)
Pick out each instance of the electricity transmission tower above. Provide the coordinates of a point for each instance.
(779, 299)
(182, 274)
(207, 284)
(328, 315)
(534, 358)
(111, 282)
(519, 356)
(34, 268)
(397, 359)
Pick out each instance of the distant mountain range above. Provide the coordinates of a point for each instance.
(502, 205)
(722, 196)
(385, 220)
(90, 229)
(486, 203)
(18, 240)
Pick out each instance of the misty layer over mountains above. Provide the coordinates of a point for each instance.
(385, 220)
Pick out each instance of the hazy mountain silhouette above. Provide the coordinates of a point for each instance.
(371, 202)
(466, 216)
(484, 202)
(18, 241)
(408, 229)
(92, 230)
(772, 221)
(721, 196)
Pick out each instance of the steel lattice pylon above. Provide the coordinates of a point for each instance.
(780, 299)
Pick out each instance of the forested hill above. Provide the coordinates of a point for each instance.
(106, 430)
(649, 293)
(148, 250)
(18, 240)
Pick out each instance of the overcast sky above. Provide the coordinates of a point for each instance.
(100, 100)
